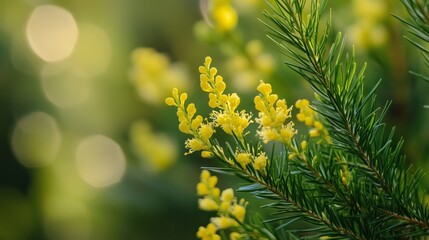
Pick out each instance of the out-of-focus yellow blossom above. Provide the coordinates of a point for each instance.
(231, 121)
(308, 116)
(224, 222)
(157, 151)
(239, 210)
(369, 30)
(191, 124)
(246, 69)
(224, 15)
(235, 236)
(208, 204)
(207, 189)
(208, 233)
(207, 185)
(154, 75)
(230, 211)
(272, 116)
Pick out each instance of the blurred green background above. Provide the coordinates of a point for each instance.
(88, 150)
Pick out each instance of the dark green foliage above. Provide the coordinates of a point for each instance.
(418, 27)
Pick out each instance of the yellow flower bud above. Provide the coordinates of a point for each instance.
(309, 121)
(314, 133)
(205, 175)
(207, 204)
(175, 93)
(212, 181)
(227, 195)
(196, 123)
(191, 110)
(224, 222)
(235, 236)
(213, 71)
(206, 154)
(264, 88)
(183, 97)
(202, 189)
(170, 101)
(207, 61)
(215, 192)
(259, 104)
(318, 125)
(184, 127)
(224, 206)
(302, 103)
(238, 211)
(205, 86)
(272, 98)
(300, 117)
(304, 145)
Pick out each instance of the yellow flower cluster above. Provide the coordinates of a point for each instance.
(157, 151)
(154, 75)
(230, 211)
(230, 120)
(272, 116)
(208, 233)
(369, 30)
(192, 125)
(224, 15)
(246, 69)
(259, 162)
(308, 116)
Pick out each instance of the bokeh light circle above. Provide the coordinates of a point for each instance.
(36, 140)
(100, 161)
(51, 32)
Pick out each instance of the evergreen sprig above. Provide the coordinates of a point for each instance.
(418, 26)
(387, 193)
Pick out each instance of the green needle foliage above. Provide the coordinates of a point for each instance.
(351, 182)
(383, 199)
(418, 26)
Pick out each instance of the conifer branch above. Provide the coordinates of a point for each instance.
(351, 116)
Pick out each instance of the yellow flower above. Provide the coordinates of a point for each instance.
(304, 145)
(243, 159)
(208, 204)
(231, 121)
(154, 75)
(239, 212)
(309, 117)
(235, 236)
(207, 154)
(272, 116)
(227, 195)
(224, 222)
(208, 233)
(202, 189)
(157, 151)
(192, 125)
(260, 162)
(225, 17)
